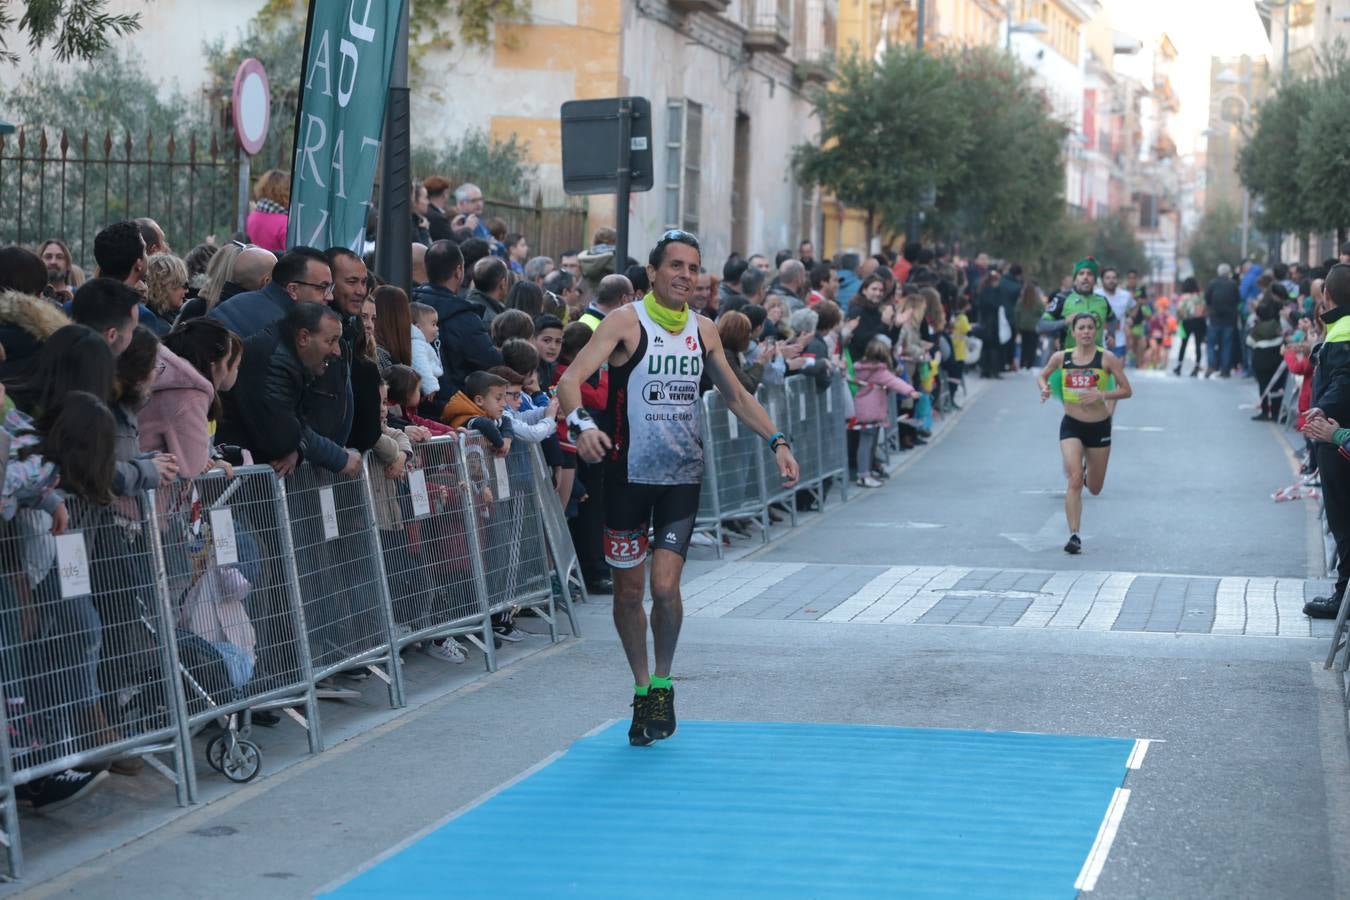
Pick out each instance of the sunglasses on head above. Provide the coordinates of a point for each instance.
(683, 237)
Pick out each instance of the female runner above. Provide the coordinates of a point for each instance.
(1093, 382)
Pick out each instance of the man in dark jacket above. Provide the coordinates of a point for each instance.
(465, 343)
(302, 274)
(489, 288)
(265, 412)
(1222, 300)
(1331, 407)
(1009, 292)
(330, 403)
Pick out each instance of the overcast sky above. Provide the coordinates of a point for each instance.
(1200, 29)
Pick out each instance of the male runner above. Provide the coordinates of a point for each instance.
(1062, 309)
(1089, 401)
(657, 351)
(1120, 300)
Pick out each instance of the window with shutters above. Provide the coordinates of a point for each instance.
(684, 161)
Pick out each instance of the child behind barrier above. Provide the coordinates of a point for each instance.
(876, 382)
(51, 644)
(426, 348)
(481, 408)
(528, 424)
(136, 370)
(404, 398)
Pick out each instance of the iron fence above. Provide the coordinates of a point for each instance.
(55, 182)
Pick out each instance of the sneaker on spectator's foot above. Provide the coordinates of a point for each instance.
(1322, 608)
(660, 713)
(868, 481)
(447, 650)
(637, 732)
(55, 791)
(509, 633)
(1074, 546)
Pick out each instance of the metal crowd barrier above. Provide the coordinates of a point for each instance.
(88, 661)
(340, 571)
(734, 475)
(424, 519)
(566, 566)
(229, 575)
(774, 398)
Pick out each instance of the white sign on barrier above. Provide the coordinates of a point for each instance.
(801, 406)
(72, 565)
(829, 400)
(503, 478)
(733, 430)
(329, 511)
(222, 536)
(417, 490)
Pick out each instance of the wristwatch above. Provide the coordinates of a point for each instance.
(578, 420)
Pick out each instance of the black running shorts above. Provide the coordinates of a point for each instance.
(1093, 435)
(669, 509)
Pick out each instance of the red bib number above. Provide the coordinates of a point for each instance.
(625, 549)
(1080, 379)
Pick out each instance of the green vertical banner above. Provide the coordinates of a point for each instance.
(349, 52)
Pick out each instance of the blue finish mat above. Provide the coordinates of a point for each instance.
(734, 809)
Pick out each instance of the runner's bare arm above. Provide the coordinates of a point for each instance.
(738, 399)
(1056, 361)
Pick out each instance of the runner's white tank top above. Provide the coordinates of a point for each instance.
(658, 408)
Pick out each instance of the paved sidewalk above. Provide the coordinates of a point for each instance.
(1015, 598)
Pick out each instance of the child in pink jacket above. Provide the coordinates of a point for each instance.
(876, 382)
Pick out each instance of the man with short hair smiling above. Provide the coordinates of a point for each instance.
(657, 352)
(301, 275)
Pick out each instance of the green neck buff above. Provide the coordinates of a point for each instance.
(672, 320)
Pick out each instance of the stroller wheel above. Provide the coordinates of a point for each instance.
(244, 764)
(215, 751)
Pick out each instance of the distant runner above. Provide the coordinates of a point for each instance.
(656, 351)
(1093, 380)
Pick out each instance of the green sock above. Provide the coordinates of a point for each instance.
(641, 689)
(659, 682)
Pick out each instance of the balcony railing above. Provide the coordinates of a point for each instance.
(768, 25)
(710, 6)
(813, 40)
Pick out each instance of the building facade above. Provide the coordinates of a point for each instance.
(728, 82)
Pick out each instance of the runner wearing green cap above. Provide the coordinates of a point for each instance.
(1062, 308)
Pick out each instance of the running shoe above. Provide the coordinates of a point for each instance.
(55, 791)
(660, 713)
(637, 732)
(1074, 546)
(447, 650)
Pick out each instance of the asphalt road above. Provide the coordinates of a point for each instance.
(1245, 794)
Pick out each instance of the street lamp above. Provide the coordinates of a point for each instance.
(1030, 26)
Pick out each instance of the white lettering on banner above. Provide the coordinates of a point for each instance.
(328, 510)
(417, 491)
(732, 428)
(307, 153)
(316, 238)
(503, 478)
(339, 165)
(222, 536)
(321, 62)
(360, 30)
(801, 407)
(72, 565)
(348, 51)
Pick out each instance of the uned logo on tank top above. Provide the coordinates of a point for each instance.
(691, 342)
(674, 365)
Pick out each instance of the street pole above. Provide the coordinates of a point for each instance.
(1007, 27)
(921, 25)
(393, 233)
(1246, 219)
(624, 176)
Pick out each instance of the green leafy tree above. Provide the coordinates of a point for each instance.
(272, 40)
(1114, 244)
(1009, 196)
(1268, 162)
(891, 135)
(1324, 157)
(74, 29)
(1217, 239)
(499, 168)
